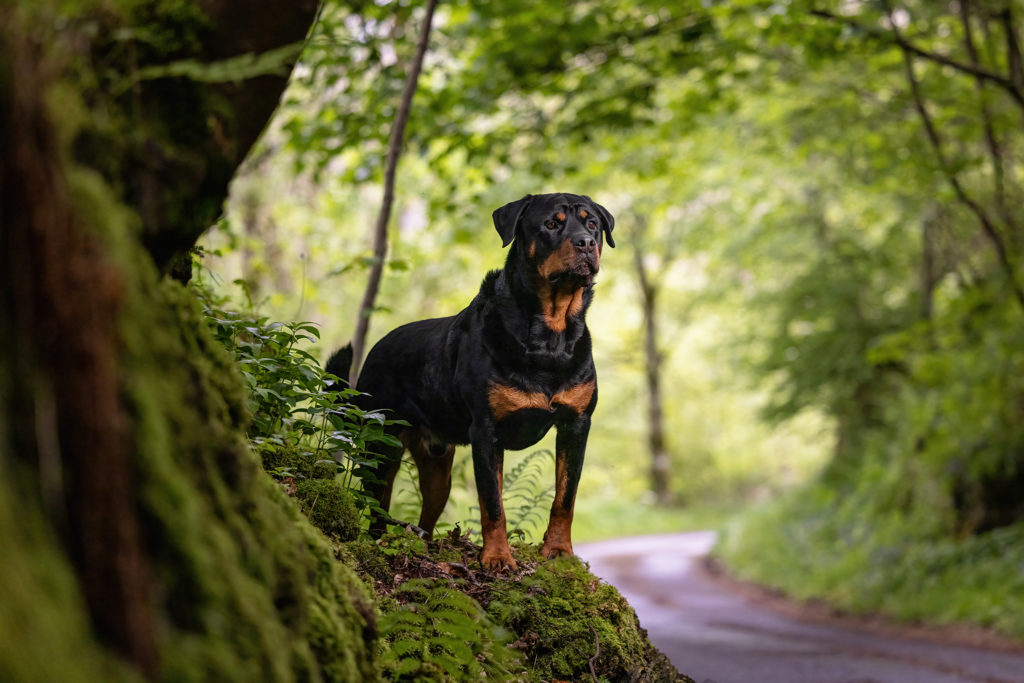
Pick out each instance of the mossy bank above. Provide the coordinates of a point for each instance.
(141, 537)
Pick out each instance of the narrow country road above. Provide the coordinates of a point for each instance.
(716, 636)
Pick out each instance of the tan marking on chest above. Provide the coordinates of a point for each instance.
(505, 400)
(577, 397)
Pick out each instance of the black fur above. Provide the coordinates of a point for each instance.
(463, 379)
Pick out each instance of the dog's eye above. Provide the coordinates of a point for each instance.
(592, 224)
(549, 224)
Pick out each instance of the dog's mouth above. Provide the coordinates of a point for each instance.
(585, 264)
(570, 266)
(582, 268)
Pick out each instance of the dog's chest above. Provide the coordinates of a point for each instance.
(522, 417)
(506, 400)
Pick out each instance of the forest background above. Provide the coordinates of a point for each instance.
(815, 303)
(810, 333)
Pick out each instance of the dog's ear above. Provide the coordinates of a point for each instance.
(607, 221)
(507, 218)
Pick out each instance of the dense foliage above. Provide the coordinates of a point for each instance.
(141, 539)
(826, 194)
(441, 616)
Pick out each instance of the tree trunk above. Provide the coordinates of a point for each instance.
(660, 461)
(380, 232)
(144, 539)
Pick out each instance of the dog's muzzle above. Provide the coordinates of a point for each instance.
(586, 260)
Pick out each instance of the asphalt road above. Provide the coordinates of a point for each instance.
(717, 636)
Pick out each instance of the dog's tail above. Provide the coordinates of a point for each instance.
(339, 364)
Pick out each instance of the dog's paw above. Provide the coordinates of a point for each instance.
(498, 560)
(551, 550)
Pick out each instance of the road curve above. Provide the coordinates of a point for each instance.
(716, 636)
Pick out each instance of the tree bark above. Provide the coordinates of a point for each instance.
(380, 232)
(60, 304)
(69, 426)
(660, 461)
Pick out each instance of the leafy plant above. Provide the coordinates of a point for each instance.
(301, 426)
(524, 494)
(439, 633)
(526, 497)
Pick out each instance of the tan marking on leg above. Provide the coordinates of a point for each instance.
(576, 397)
(557, 538)
(505, 400)
(496, 554)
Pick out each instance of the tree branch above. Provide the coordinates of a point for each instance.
(1013, 52)
(380, 234)
(995, 150)
(935, 139)
(1009, 85)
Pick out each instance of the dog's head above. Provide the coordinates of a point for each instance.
(561, 234)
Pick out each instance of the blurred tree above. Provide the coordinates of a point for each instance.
(863, 161)
(380, 232)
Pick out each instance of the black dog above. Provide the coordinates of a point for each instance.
(499, 374)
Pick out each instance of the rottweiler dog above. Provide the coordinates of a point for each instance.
(499, 374)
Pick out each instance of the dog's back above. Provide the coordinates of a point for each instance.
(409, 372)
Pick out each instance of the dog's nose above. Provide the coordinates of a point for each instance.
(585, 243)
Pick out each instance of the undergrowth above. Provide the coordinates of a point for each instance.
(549, 620)
(302, 428)
(441, 617)
(820, 545)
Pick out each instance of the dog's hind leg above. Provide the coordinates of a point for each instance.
(435, 474)
(379, 484)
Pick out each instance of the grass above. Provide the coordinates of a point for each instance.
(598, 520)
(865, 564)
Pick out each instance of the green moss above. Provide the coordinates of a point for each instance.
(556, 611)
(242, 586)
(247, 588)
(562, 613)
(47, 634)
(282, 459)
(252, 591)
(330, 507)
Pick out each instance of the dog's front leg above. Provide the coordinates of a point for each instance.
(488, 460)
(570, 445)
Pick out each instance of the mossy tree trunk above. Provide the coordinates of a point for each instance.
(139, 537)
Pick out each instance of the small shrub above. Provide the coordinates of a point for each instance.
(300, 428)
